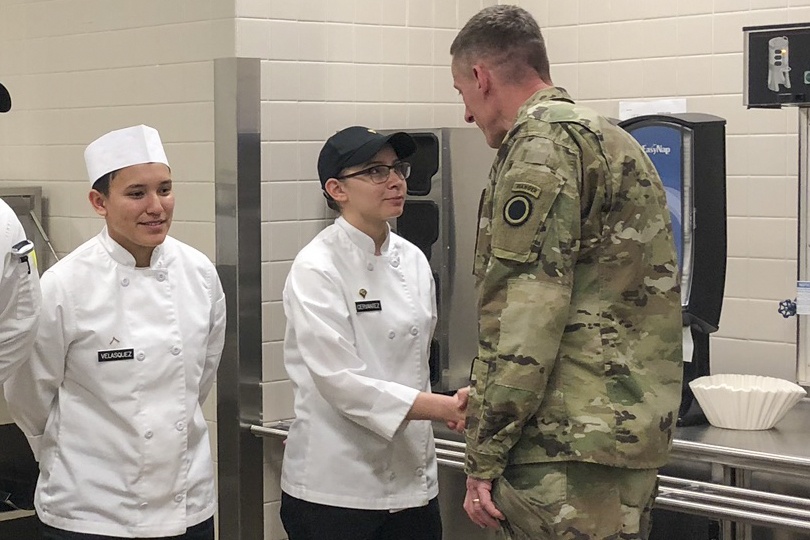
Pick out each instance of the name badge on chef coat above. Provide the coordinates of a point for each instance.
(371, 305)
(116, 354)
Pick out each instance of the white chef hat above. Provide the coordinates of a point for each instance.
(123, 148)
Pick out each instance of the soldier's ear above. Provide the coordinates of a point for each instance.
(483, 77)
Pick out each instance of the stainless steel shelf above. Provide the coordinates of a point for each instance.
(782, 450)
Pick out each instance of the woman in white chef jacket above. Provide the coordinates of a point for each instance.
(360, 303)
(130, 337)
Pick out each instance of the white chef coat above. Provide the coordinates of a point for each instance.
(357, 373)
(111, 399)
(19, 295)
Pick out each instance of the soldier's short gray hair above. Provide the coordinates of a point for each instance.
(509, 36)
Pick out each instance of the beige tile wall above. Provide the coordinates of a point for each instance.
(79, 68)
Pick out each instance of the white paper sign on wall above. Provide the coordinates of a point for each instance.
(631, 109)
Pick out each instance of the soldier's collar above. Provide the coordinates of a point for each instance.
(557, 93)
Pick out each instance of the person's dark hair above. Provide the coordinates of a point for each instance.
(102, 185)
(509, 37)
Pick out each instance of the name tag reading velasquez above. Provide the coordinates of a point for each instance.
(116, 354)
(371, 305)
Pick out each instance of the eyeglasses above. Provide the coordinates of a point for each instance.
(379, 174)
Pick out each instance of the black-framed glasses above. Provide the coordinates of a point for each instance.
(379, 174)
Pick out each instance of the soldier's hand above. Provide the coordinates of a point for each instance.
(479, 506)
(463, 396)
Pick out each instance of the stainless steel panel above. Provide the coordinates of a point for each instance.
(802, 353)
(237, 87)
(462, 173)
(470, 163)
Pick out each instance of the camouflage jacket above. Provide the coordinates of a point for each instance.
(579, 302)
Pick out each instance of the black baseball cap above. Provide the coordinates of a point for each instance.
(5, 99)
(356, 145)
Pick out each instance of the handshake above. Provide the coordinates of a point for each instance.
(458, 410)
(452, 410)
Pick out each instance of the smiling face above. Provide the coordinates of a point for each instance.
(138, 208)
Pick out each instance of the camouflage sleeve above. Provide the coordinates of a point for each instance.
(525, 295)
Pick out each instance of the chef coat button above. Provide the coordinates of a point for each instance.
(420, 471)
(125, 282)
(391, 334)
(392, 476)
(140, 356)
(395, 263)
(414, 331)
(175, 350)
(161, 277)
(178, 497)
(148, 435)
(370, 266)
(180, 426)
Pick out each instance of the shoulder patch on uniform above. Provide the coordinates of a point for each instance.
(529, 189)
(517, 210)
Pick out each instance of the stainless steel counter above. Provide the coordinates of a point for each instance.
(754, 482)
(784, 449)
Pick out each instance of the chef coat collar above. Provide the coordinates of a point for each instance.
(120, 255)
(361, 239)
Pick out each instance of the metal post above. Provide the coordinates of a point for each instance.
(237, 101)
(803, 369)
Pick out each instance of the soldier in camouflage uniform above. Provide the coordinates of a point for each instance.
(575, 391)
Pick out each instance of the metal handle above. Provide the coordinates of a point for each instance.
(41, 230)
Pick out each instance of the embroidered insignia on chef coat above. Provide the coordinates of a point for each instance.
(517, 210)
(527, 188)
(113, 355)
(362, 292)
(371, 305)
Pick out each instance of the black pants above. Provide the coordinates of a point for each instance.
(201, 531)
(304, 520)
